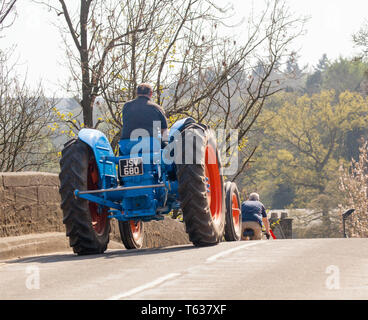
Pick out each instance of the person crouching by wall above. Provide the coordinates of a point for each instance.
(254, 215)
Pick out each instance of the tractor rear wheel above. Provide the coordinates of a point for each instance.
(233, 225)
(132, 234)
(201, 187)
(87, 227)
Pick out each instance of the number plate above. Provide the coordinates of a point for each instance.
(131, 167)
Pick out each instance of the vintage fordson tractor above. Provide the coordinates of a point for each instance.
(141, 184)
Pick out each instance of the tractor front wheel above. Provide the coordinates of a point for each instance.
(132, 234)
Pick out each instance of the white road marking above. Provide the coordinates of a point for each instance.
(148, 285)
(170, 276)
(227, 252)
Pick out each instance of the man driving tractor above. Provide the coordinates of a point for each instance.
(142, 113)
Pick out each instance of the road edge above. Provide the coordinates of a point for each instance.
(38, 244)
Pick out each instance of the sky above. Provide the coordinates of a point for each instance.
(39, 49)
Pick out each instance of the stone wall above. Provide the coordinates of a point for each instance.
(30, 204)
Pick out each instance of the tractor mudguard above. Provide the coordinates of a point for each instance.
(101, 148)
(180, 125)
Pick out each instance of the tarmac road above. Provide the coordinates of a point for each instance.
(265, 270)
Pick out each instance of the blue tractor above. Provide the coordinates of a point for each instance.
(145, 181)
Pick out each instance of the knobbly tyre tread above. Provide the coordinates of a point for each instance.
(76, 215)
(127, 237)
(193, 193)
(231, 234)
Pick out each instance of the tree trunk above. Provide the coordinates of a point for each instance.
(86, 84)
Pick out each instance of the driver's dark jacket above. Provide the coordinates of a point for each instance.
(140, 113)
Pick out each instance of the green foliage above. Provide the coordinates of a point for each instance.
(283, 195)
(306, 134)
(344, 74)
(323, 63)
(303, 146)
(340, 75)
(361, 39)
(314, 82)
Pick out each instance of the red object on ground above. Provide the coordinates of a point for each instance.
(272, 234)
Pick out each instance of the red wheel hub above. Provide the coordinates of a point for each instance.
(98, 219)
(136, 227)
(214, 185)
(235, 210)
